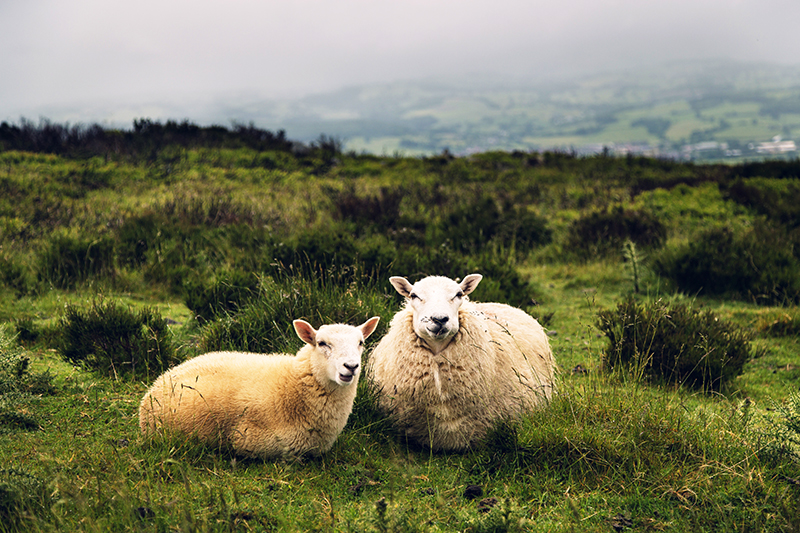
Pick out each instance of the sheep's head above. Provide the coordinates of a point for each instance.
(435, 301)
(338, 348)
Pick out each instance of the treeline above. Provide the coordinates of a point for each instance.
(145, 140)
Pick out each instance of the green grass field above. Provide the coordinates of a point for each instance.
(613, 451)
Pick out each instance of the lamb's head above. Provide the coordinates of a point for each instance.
(435, 301)
(337, 349)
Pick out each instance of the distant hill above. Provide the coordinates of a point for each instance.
(700, 110)
(695, 110)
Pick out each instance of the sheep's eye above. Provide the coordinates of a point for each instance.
(459, 294)
(361, 343)
(322, 344)
(413, 296)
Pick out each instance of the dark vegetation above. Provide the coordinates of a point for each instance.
(104, 232)
(674, 344)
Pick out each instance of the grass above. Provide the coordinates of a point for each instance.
(611, 452)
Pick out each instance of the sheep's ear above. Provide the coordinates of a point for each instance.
(402, 285)
(369, 326)
(470, 283)
(305, 331)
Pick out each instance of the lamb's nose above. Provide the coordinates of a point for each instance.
(351, 366)
(440, 320)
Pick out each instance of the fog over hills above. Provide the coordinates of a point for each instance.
(656, 110)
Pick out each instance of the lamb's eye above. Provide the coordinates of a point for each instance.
(413, 296)
(322, 344)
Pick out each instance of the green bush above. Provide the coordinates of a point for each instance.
(13, 276)
(264, 324)
(673, 344)
(117, 341)
(756, 265)
(481, 221)
(18, 386)
(603, 233)
(66, 261)
(226, 294)
(784, 430)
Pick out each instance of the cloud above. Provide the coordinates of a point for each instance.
(95, 50)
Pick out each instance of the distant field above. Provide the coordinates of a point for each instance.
(738, 104)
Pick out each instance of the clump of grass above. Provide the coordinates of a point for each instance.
(753, 265)
(18, 386)
(784, 430)
(603, 233)
(117, 341)
(673, 343)
(67, 261)
(24, 500)
(226, 294)
(264, 324)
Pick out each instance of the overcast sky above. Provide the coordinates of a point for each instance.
(117, 53)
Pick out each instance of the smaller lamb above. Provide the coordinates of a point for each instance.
(449, 369)
(275, 406)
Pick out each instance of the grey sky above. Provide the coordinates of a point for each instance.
(64, 52)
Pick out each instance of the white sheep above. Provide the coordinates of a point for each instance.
(267, 406)
(449, 369)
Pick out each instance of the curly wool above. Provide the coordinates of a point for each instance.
(497, 366)
(267, 406)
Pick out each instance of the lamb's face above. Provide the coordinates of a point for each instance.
(338, 349)
(435, 301)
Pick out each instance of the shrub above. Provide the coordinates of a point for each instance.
(604, 232)
(135, 236)
(480, 221)
(264, 324)
(673, 343)
(785, 429)
(226, 294)
(67, 261)
(114, 340)
(756, 265)
(18, 386)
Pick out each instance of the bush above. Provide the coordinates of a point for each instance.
(481, 221)
(67, 261)
(116, 341)
(18, 386)
(226, 294)
(673, 344)
(603, 233)
(756, 265)
(785, 430)
(13, 276)
(264, 324)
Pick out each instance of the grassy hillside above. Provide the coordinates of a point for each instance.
(117, 260)
(666, 110)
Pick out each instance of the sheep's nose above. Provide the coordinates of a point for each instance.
(351, 366)
(440, 320)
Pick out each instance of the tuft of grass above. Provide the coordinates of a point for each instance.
(116, 341)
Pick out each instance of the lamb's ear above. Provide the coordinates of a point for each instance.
(369, 326)
(470, 283)
(402, 285)
(305, 331)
